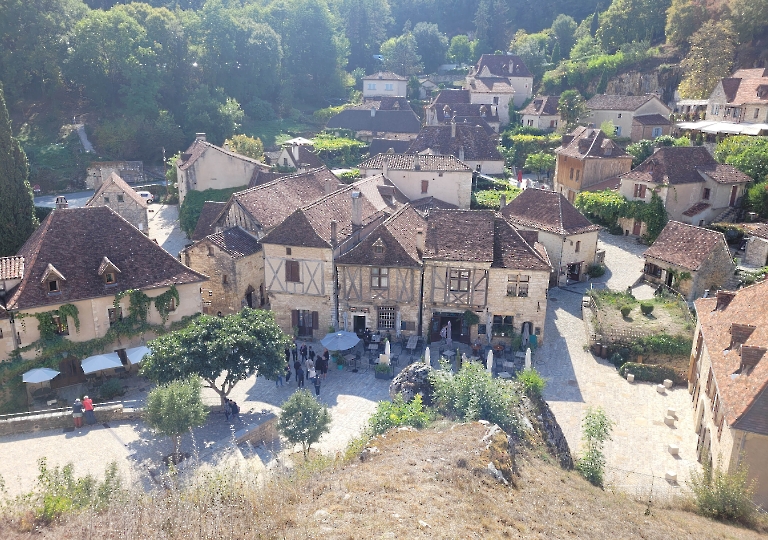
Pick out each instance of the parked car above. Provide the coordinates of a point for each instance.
(147, 196)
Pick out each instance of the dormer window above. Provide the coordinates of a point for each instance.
(52, 280)
(109, 278)
(378, 247)
(108, 271)
(53, 286)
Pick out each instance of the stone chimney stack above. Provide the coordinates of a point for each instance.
(453, 129)
(373, 112)
(502, 201)
(385, 168)
(420, 240)
(61, 203)
(357, 211)
(334, 233)
(461, 151)
(295, 152)
(200, 137)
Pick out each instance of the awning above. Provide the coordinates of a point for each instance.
(723, 127)
(695, 125)
(39, 375)
(137, 354)
(101, 362)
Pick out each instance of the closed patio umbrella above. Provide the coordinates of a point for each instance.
(398, 324)
(528, 358)
(489, 361)
(39, 375)
(387, 348)
(340, 341)
(100, 362)
(427, 356)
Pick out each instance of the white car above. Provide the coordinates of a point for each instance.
(147, 196)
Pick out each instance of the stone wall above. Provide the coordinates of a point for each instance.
(756, 253)
(60, 419)
(714, 272)
(132, 211)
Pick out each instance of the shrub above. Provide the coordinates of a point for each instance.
(398, 413)
(625, 310)
(259, 109)
(533, 383)
(303, 420)
(648, 372)
(722, 495)
(595, 270)
(616, 359)
(190, 209)
(111, 388)
(596, 429)
(646, 308)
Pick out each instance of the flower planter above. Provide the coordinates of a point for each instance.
(380, 375)
(340, 367)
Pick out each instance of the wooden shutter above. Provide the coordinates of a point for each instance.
(314, 320)
(288, 272)
(294, 317)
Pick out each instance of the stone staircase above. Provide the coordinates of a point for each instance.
(730, 215)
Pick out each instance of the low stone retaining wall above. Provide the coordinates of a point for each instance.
(263, 430)
(60, 419)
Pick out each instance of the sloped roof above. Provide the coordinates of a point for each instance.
(685, 246)
(381, 146)
(234, 241)
(452, 97)
(208, 216)
(11, 267)
(114, 180)
(684, 165)
(761, 231)
(394, 121)
(697, 208)
(75, 241)
(724, 174)
(498, 65)
(491, 85)
(741, 90)
(584, 142)
(260, 177)
(466, 110)
(478, 121)
(651, 120)
(383, 103)
(512, 250)
(618, 103)
(425, 204)
(476, 143)
(542, 106)
(548, 211)
(412, 162)
(743, 392)
(199, 147)
(385, 75)
(307, 158)
(750, 73)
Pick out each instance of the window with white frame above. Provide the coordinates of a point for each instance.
(379, 278)
(386, 317)
(459, 281)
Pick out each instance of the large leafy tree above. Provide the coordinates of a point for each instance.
(563, 31)
(303, 420)
(571, 107)
(626, 21)
(17, 208)
(709, 59)
(750, 18)
(460, 50)
(174, 408)
(748, 154)
(684, 17)
(491, 26)
(431, 45)
(401, 56)
(365, 24)
(212, 112)
(222, 351)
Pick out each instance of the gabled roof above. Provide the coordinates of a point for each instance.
(385, 75)
(382, 103)
(260, 177)
(451, 97)
(394, 121)
(74, 242)
(414, 162)
(207, 220)
(473, 140)
(499, 65)
(425, 204)
(478, 121)
(234, 241)
(684, 165)
(381, 146)
(487, 112)
(651, 120)
(199, 147)
(724, 174)
(610, 102)
(11, 267)
(742, 391)
(307, 158)
(685, 246)
(512, 250)
(114, 181)
(547, 211)
(584, 142)
(491, 85)
(542, 106)
(742, 90)
(397, 234)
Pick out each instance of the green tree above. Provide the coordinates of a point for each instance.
(596, 429)
(563, 30)
(594, 24)
(366, 23)
(491, 26)
(602, 85)
(213, 113)
(571, 107)
(17, 207)
(709, 59)
(540, 162)
(401, 56)
(750, 18)
(626, 21)
(684, 17)
(222, 351)
(175, 408)
(723, 495)
(608, 128)
(532, 48)
(460, 50)
(748, 154)
(303, 420)
(431, 45)
(246, 146)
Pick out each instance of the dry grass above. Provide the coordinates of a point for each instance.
(428, 484)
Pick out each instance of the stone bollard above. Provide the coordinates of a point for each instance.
(672, 413)
(630, 377)
(674, 449)
(660, 388)
(670, 421)
(671, 476)
(667, 383)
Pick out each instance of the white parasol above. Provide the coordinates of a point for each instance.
(427, 356)
(398, 324)
(136, 355)
(489, 361)
(526, 334)
(340, 341)
(39, 375)
(101, 362)
(528, 358)
(488, 326)
(387, 348)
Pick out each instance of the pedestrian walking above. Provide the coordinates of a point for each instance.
(295, 351)
(316, 383)
(303, 352)
(299, 377)
(227, 409)
(77, 413)
(88, 414)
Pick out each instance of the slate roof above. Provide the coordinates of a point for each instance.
(398, 235)
(685, 246)
(383, 103)
(651, 120)
(542, 106)
(402, 121)
(611, 102)
(452, 97)
(547, 211)
(384, 75)
(412, 162)
(584, 142)
(684, 165)
(742, 391)
(381, 146)
(75, 241)
(425, 204)
(471, 121)
(465, 109)
(11, 267)
(477, 145)
(498, 65)
(235, 241)
(114, 180)
(199, 147)
(207, 220)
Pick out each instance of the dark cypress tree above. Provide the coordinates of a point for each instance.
(17, 207)
(595, 23)
(556, 55)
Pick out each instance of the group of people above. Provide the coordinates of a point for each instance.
(231, 409)
(83, 409)
(306, 365)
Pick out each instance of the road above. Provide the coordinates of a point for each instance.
(79, 198)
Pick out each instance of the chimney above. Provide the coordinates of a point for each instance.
(200, 137)
(373, 112)
(453, 129)
(357, 211)
(295, 152)
(61, 202)
(329, 186)
(334, 233)
(420, 240)
(461, 152)
(723, 299)
(502, 201)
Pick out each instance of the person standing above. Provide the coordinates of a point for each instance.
(295, 351)
(90, 417)
(310, 364)
(299, 376)
(326, 360)
(227, 409)
(311, 355)
(303, 352)
(316, 383)
(288, 372)
(287, 354)
(279, 380)
(77, 413)
(235, 408)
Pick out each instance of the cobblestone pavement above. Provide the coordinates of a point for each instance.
(164, 227)
(637, 456)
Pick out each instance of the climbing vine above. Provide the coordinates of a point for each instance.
(609, 206)
(164, 302)
(139, 306)
(45, 323)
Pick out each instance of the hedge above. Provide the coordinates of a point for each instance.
(648, 372)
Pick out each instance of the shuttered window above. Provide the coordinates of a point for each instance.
(292, 271)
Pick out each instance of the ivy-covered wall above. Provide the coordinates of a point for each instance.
(607, 207)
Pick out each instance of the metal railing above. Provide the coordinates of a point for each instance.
(129, 403)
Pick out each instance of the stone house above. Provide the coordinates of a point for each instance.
(469, 144)
(476, 261)
(380, 278)
(689, 259)
(84, 257)
(587, 157)
(299, 157)
(541, 113)
(693, 187)
(649, 126)
(728, 379)
(234, 263)
(499, 79)
(206, 223)
(455, 106)
(385, 83)
(756, 253)
(207, 166)
(569, 238)
(130, 171)
(381, 117)
(417, 176)
(121, 198)
(300, 253)
(622, 110)
(741, 98)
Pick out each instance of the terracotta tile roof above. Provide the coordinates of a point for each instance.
(651, 120)
(491, 85)
(585, 142)
(383, 103)
(398, 236)
(724, 174)
(697, 208)
(613, 183)
(488, 112)
(542, 106)
(548, 211)
(740, 91)
(753, 73)
(382, 75)
(307, 158)
(381, 146)
(92, 234)
(260, 177)
(472, 121)
(207, 220)
(460, 235)
(199, 147)
(11, 267)
(673, 165)
(269, 204)
(742, 391)
(425, 204)
(235, 241)
(498, 65)
(452, 97)
(119, 184)
(402, 121)
(761, 231)
(475, 142)
(511, 250)
(618, 103)
(412, 162)
(685, 246)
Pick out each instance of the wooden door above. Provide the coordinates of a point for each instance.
(636, 228)
(734, 191)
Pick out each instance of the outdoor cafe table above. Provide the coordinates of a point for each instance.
(376, 338)
(413, 341)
